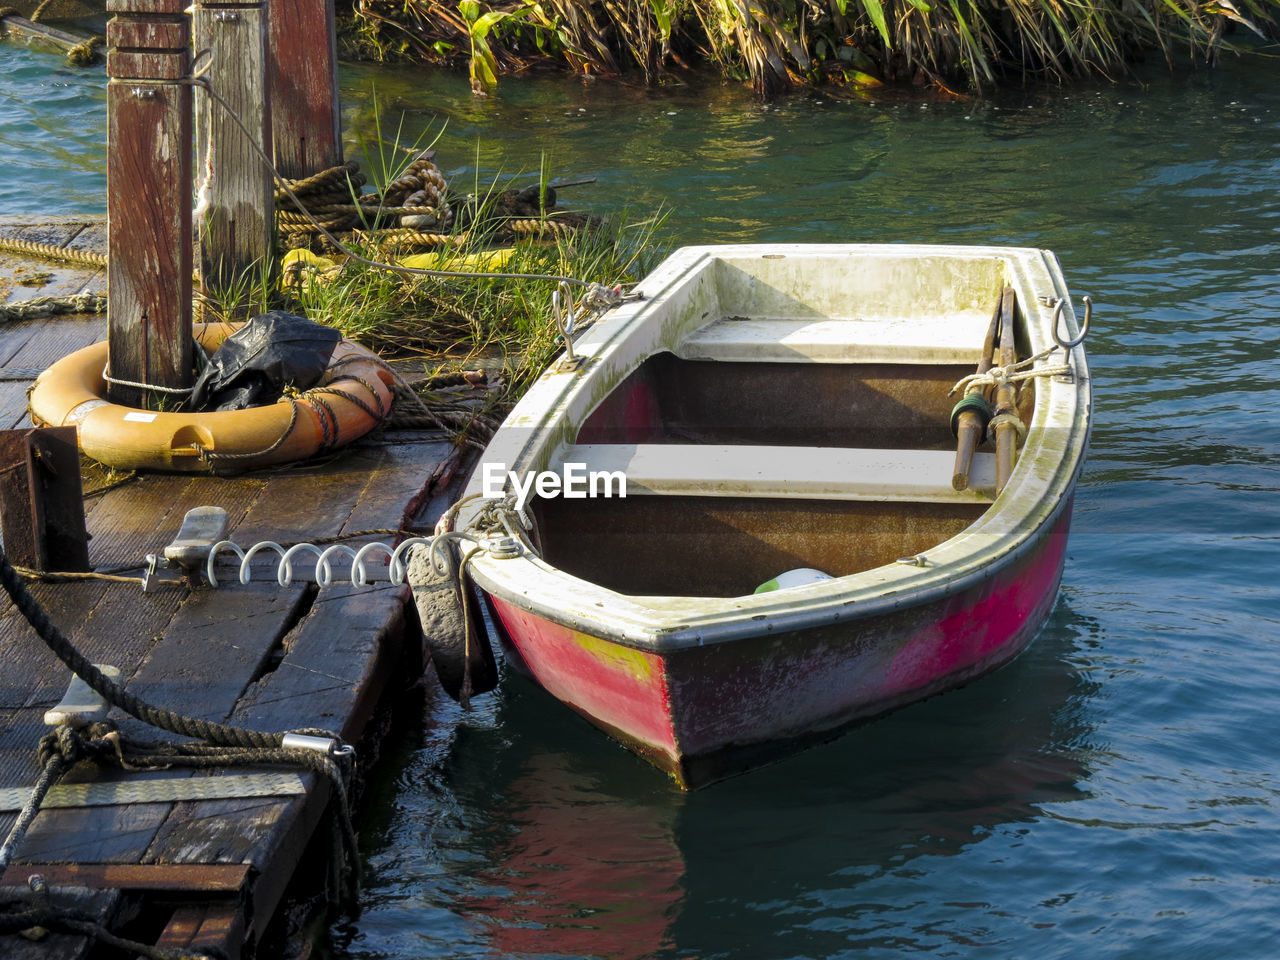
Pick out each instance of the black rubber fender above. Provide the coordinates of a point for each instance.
(463, 657)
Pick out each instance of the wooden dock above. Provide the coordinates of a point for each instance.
(198, 873)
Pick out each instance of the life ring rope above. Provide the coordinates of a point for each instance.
(356, 396)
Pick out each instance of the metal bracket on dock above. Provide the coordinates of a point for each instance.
(81, 705)
(201, 528)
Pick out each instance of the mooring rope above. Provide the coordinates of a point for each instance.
(50, 251)
(223, 744)
(58, 751)
(40, 307)
(65, 920)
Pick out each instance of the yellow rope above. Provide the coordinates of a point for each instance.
(51, 252)
(85, 54)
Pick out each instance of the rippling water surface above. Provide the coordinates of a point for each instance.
(1112, 792)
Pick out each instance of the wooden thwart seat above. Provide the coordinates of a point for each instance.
(731, 470)
(945, 339)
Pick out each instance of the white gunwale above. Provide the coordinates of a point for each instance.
(539, 435)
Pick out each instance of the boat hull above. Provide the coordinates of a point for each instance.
(770, 408)
(704, 713)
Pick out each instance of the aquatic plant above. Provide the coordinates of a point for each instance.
(502, 323)
(778, 44)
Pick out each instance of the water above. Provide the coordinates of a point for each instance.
(1114, 791)
(53, 150)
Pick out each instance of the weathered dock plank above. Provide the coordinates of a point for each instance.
(259, 655)
(25, 275)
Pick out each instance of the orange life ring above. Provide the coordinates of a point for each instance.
(351, 399)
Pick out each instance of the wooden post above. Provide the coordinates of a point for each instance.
(148, 197)
(236, 236)
(41, 500)
(305, 121)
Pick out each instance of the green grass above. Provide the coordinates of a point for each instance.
(451, 323)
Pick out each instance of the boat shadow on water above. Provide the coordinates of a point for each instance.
(577, 848)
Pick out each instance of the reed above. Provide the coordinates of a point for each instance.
(456, 323)
(779, 44)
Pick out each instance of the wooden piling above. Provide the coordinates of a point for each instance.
(305, 120)
(235, 237)
(148, 197)
(41, 501)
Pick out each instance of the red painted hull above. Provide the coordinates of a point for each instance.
(706, 712)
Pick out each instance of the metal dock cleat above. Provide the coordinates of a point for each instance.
(201, 528)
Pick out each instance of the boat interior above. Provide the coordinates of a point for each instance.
(752, 450)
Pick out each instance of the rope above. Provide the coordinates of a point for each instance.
(39, 307)
(176, 391)
(49, 576)
(51, 252)
(614, 295)
(1013, 373)
(50, 771)
(82, 924)
(85, 54)
(327, 418)
(75, 661)
(224, 744)
(58, 751)
(1007, 418)
(211, 457)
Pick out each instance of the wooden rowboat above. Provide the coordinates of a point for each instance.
(772, 408)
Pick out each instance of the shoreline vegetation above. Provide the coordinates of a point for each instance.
(952, 46)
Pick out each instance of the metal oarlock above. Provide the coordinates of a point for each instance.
(1058, 304)
(562, 312)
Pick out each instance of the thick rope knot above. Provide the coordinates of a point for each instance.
(39, 307)
(1011, 419)
(496, 516)
(601, 297)
(69, 745)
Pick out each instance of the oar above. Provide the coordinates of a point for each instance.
(1006, 395)
(571, 183)
(972, 413)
